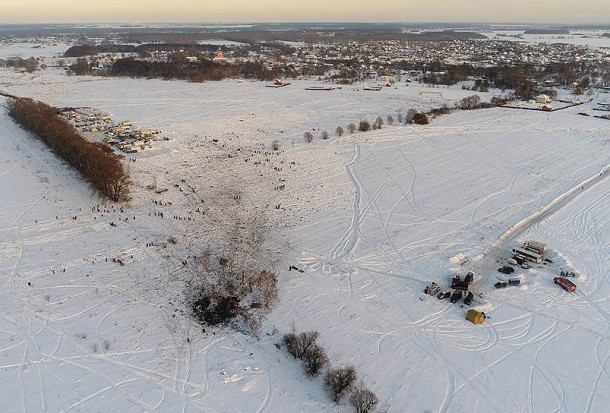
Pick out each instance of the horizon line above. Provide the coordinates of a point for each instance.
(220, 23)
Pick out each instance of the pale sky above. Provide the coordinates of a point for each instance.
(210, 11)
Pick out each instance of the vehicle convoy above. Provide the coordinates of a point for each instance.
(565, 284)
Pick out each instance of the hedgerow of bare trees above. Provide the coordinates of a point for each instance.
(338, 382)
(362, 399)
(303, 347)
(97, 163)
(412, 116)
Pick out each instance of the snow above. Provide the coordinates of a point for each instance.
(371, 218)
(26, 50)
(592, 39)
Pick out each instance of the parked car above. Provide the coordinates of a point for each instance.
(501, 284)
(443, 295)
(512, 261)
(514, 281)
(432, 289)
(520, 260)
(458, 284)
(468, 299)
(506, 270)
(565, 283)
(456, 296)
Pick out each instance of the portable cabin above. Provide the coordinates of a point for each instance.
(535, 246)
(475, 317)
(527, 255)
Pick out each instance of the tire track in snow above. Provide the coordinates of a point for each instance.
(486, 260)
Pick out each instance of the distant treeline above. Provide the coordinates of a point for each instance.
(143, 49)
(521, 78)
(547, 31)
(179, 67)
(336, 33)
(30, 64)
(97, 163)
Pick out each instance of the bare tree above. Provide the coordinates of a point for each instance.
(421, 119)
(351, 127)
(339, 131)
(379, 122)
(325, 135)
(410, 115)
(363, 400)
(275, 145)
(470, 102)
(299, 344)
(339, 381)
(308, 137)
(390, 120)
(314, 360)
(364, 126)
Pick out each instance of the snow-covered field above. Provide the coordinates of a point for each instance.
(371, 218)
(590, 38)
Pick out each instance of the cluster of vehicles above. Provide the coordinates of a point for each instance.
(532, 252)
(459, 286)
(122, 134)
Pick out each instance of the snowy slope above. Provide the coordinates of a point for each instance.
(370, 217)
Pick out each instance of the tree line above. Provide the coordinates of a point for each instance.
(142, 49)
(339, 382)
(524, 79)
(30, 65)
(178, 67)
(411, 116)
(96, 162)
